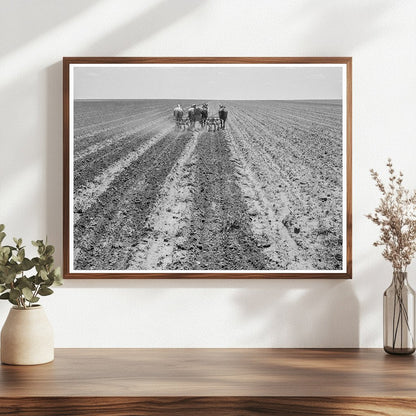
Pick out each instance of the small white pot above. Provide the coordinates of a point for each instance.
(27, 337)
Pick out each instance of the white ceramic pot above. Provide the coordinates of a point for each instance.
(27, 337)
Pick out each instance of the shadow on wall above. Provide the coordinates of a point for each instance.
(375, 276)
(301, 313)
(157, 18)
(54, 146)
(349, 24)
(39, 15)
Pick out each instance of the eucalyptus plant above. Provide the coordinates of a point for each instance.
(24, 280)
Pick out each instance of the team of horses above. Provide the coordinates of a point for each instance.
(200, 114)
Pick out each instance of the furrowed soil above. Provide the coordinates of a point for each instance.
(263, 194)
(219, 235)
(124, 206)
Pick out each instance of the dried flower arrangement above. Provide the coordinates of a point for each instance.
(396, 217)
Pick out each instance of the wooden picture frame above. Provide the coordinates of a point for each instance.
(195, 197)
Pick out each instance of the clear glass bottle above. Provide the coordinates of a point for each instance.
(399, 316)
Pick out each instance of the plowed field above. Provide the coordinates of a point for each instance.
(263, 194)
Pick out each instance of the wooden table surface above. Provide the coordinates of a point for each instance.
(212, 381)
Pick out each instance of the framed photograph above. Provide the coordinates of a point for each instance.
(207, 168)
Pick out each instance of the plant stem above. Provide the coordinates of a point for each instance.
(394, 315)
(401, 314)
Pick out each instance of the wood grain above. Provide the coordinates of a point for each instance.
(67, 61)
(207, 406)
(214, 372)
(212, 381)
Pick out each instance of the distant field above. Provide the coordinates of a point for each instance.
(263, 194)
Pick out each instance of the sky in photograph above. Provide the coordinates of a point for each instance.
(207, 82)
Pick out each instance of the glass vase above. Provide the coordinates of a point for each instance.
(399, 316)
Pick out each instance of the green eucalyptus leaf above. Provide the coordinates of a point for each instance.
(5, 254)
(14, 267)
(5, 250)
(27, 293)
(15, 293)
(9, 277)
(49, 250)
(58, 281)
(14, 284)
(24, 282)
(11, 248)
(38, 280)
(5, 295)
(21, 255)
(43, 274)
(45, 291)
(26, 264)
(48, 260)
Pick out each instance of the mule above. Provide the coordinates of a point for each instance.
(178, 114)
(195, 115)
(204, 114)
(222, 114)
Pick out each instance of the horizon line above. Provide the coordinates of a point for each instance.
(211, 99)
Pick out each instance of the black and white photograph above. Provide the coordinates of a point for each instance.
(221, 168)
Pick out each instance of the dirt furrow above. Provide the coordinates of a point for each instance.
(116, 138)
(262, 156)
(105, 125)
(290, 148)
(329, 115)
(315, 156)
(88, 113)
(101, 125)
(315, 208)
(97, 163)
(86, 196)
(109, 230)
(266, 215)
(266, 191)
(276, 123)
(279, 121)
(83, 142)
(220, 237)
(166, 228)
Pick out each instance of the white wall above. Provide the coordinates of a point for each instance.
(380, 35)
